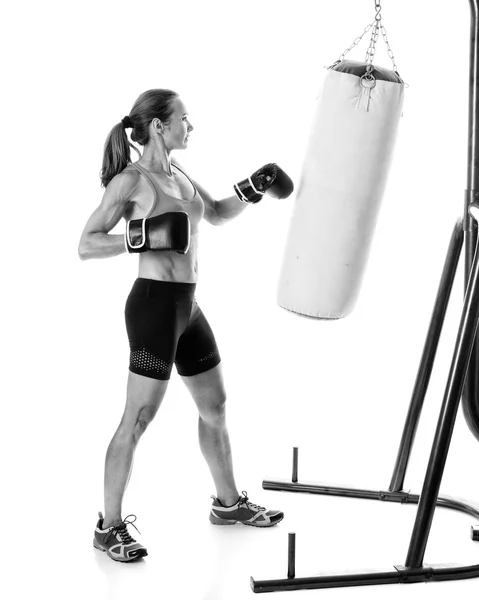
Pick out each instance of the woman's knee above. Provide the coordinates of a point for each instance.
(134, 426)
(144, 418)
(144, 397)
(212, 412)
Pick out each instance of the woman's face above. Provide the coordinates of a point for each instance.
(177, 131)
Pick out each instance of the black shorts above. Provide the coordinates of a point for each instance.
(165, 325)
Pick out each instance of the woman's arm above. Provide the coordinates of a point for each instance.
(96, 241)
(269, 179)
(218, 212)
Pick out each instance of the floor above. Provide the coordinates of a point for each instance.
(190, 558)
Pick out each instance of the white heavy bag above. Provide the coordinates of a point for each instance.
(340, 191)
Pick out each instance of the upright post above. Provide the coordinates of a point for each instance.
(427, 359)
(471, 387)
(447, 419)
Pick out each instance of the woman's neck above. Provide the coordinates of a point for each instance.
(157, 160)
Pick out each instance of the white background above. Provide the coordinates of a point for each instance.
(249, 74)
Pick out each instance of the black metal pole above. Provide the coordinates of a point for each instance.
(291, 556)
(294, 477)
(452, 397)
(428, 357)
(470, 398)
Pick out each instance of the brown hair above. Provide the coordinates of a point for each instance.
(116, 154)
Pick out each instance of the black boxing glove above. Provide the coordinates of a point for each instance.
(169, 231)
(270, 178)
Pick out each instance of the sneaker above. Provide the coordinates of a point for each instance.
(117, 542)
(244, 512)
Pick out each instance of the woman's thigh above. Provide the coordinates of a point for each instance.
(207, 390)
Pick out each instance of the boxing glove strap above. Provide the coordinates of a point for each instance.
(239, 193)
(130, 246)
(188, 235)
(250, 186)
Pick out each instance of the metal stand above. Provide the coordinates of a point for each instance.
(460, 382)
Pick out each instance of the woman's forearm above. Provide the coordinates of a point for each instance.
(101, 245)
(229, 208)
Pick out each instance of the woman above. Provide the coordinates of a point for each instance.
(162, 207)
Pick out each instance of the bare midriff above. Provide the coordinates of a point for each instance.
(171, 266)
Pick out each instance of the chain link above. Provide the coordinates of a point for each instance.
(377, 28)
(356, 41)
(390, 52)
(370, 52)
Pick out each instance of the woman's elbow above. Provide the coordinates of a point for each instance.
(212, 215)
(217, 220)
(83, 249)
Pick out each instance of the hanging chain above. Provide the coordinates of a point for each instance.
(374, 38)
(377, 28)
(390, 52)
(356, 42)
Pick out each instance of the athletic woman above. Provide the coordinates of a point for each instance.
(162, 208)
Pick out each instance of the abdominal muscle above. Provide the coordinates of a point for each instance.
(166, 265)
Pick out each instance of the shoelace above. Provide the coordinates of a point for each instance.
(249, 504)
(123, 531)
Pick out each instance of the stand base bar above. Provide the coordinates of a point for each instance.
(385, 496)
(399, 575)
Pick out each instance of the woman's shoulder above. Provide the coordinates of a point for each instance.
(126, 182)
(130, 173)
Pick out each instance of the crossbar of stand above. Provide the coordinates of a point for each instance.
(399, 575)
(449, 502)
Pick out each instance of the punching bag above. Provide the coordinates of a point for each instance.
(339, 195)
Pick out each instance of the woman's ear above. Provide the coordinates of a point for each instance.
(158, 125)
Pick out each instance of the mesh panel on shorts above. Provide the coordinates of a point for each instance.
(145, 361)
(213, 354)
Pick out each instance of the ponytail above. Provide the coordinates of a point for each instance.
(116, 154)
